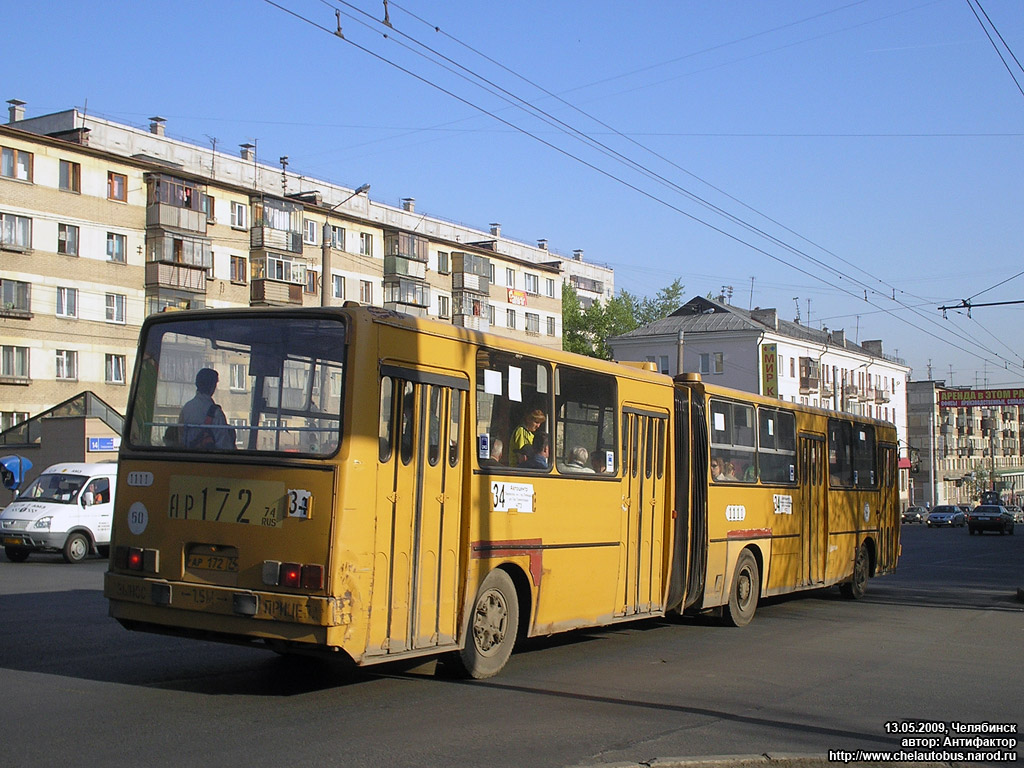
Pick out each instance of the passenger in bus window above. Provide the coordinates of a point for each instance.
(717, 468)
(577, 460)
(729, 470)
(497, 448)
(536, 456)
(206, 427)
(523, 435)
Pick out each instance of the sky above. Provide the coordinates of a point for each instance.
(855, 162)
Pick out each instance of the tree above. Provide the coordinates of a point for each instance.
(585, 331)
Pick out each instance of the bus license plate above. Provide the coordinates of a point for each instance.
(220, 563)
(261, 503)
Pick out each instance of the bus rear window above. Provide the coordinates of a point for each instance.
(258, 383)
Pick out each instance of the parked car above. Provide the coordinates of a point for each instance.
(915, 515)
(67, 509)
(990, 517)
(946, 514)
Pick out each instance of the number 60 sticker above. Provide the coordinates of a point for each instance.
(300, 503)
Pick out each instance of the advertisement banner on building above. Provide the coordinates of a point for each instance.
(769, 370)
(982, 398)
(516, 298)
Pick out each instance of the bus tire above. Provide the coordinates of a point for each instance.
(857, 586)
(17, 554)
(493, 625)
(745, 590)
(76, 547)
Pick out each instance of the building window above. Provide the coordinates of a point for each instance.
(490, 314)
(117, 186)
(15, 231)
(238, 269)
(209, 204)
(239, 215)
(14, 361)
(338, 286)
(442, 263)
(238, 379)
(70, 176)
(312, 278)
(67, 302)
(116, 247)
(366, 244)
(115, 308)
(532, 283)
(114, 369)
(338, 238)
(15, 296)
(67, 239)
(16, 164)
(490, 266)
(443, 307)
(67, 364)
(365, 292)
(510, 318)
(309, 231)
(549, 287)
(510, 277)
(10, 419)
(712, 362)
(551, 326)
(663, 364)
(532, 323)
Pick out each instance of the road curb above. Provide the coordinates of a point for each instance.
(766, 760)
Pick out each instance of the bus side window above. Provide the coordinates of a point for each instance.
(386, 418)
(585, 418)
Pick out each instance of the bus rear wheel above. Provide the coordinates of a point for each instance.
(493, 626)
(746, 588)
(857, 586)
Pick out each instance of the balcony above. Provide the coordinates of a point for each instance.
(268, 238)
(185, 277)
(867, 394)
(267, 292)
(167, 216)
(809, 384)
(827, 390)
(850, 390)
(881, 395)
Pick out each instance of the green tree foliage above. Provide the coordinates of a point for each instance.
(585, 331)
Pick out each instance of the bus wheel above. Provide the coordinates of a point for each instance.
(855, 588)
(492, 626)
(17, 554)
(746, 587)
(76, 548)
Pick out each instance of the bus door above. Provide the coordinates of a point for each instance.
(419, 498)
(888, 525)
(814, 489)
(644, 443)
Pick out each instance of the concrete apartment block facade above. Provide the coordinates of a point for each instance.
(104, 224)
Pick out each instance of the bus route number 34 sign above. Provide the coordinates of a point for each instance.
(512, 497)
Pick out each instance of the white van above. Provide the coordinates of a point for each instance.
(67, 509)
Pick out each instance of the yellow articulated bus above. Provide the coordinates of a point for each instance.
(358, 481)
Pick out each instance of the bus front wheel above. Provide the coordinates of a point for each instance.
(493, 626)
(746, 588)
(857, 586)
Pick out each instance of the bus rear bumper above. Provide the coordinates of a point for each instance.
(219, 609)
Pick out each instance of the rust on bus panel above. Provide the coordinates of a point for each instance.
(483, 550)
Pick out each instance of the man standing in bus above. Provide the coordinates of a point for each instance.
(206, 426)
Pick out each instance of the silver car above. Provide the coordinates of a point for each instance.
(946, 514)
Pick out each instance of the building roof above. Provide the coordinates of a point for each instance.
(704, 315)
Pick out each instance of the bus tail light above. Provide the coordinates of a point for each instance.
(137, 559)
(294, 575)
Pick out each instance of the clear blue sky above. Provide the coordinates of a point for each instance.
(881, 135)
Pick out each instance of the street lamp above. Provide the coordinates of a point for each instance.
(358, 191)
(325, 249)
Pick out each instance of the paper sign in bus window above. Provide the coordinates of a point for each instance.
(515, 384)
(492, 382)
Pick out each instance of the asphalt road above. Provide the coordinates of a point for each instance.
(939, 641)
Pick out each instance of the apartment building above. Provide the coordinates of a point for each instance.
(958, 452)
(102, 224)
